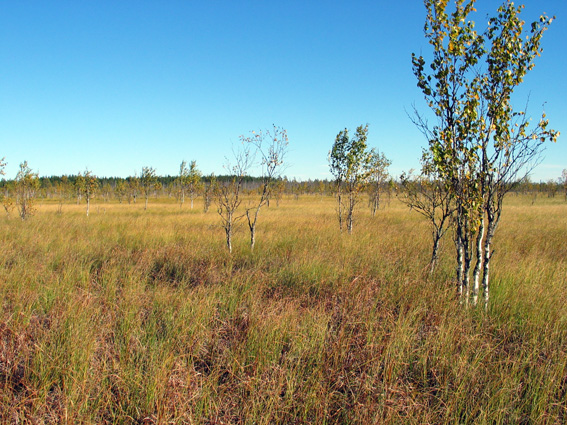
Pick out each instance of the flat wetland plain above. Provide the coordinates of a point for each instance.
(133, 316)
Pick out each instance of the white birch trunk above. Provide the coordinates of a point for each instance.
(460, 266)
(478, 265)
(486, 266)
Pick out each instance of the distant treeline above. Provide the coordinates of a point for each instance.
(49, 186)
(52, 181)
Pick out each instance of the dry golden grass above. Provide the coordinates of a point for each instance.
(143, 317)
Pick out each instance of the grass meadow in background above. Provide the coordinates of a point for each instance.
(132, 316)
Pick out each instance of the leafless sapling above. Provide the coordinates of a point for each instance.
(428, 196)
(227, 192)
(378, 174)
(271, 147)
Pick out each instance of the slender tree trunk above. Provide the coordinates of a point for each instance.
(206, 202)
(350, 214)
(466, 271)
(479, 261)
(146, 204)
(340, 210)
(376, 203)
(493, 219)
(486, 274)
(460, 261)
(486, 269)
(88, 205)
(435, 250)
(252, 226)
(228, 230)
(252, 237)
(252, 222)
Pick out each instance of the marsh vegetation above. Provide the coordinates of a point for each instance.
(133, 316)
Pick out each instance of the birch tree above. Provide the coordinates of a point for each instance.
(208, 192)
(228, 192)
(120, 190)
(377, 176)
(428, 196)
(148, 183)
(278, 189)
(26, 186)
(349, 162)
(78, 186)
(5, 198)
(480, 144)
(271, 147)
(87, 184)
(182, 182)
(133, 188)
(188, 181)
(194, 180)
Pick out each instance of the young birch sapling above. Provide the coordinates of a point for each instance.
(5, 198)
(87, 184)
(188, 181)
(26, 186)
(227, 192)
(378, 175)
(148, 183)
(271, 146)
(427, 195)
(349, 163)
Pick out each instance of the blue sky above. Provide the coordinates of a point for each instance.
(118, 85)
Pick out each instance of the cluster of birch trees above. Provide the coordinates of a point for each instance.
(480, 145)
(356, 168)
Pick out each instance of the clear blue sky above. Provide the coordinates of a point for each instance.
(117, 85)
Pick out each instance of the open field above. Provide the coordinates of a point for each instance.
(132, 316)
